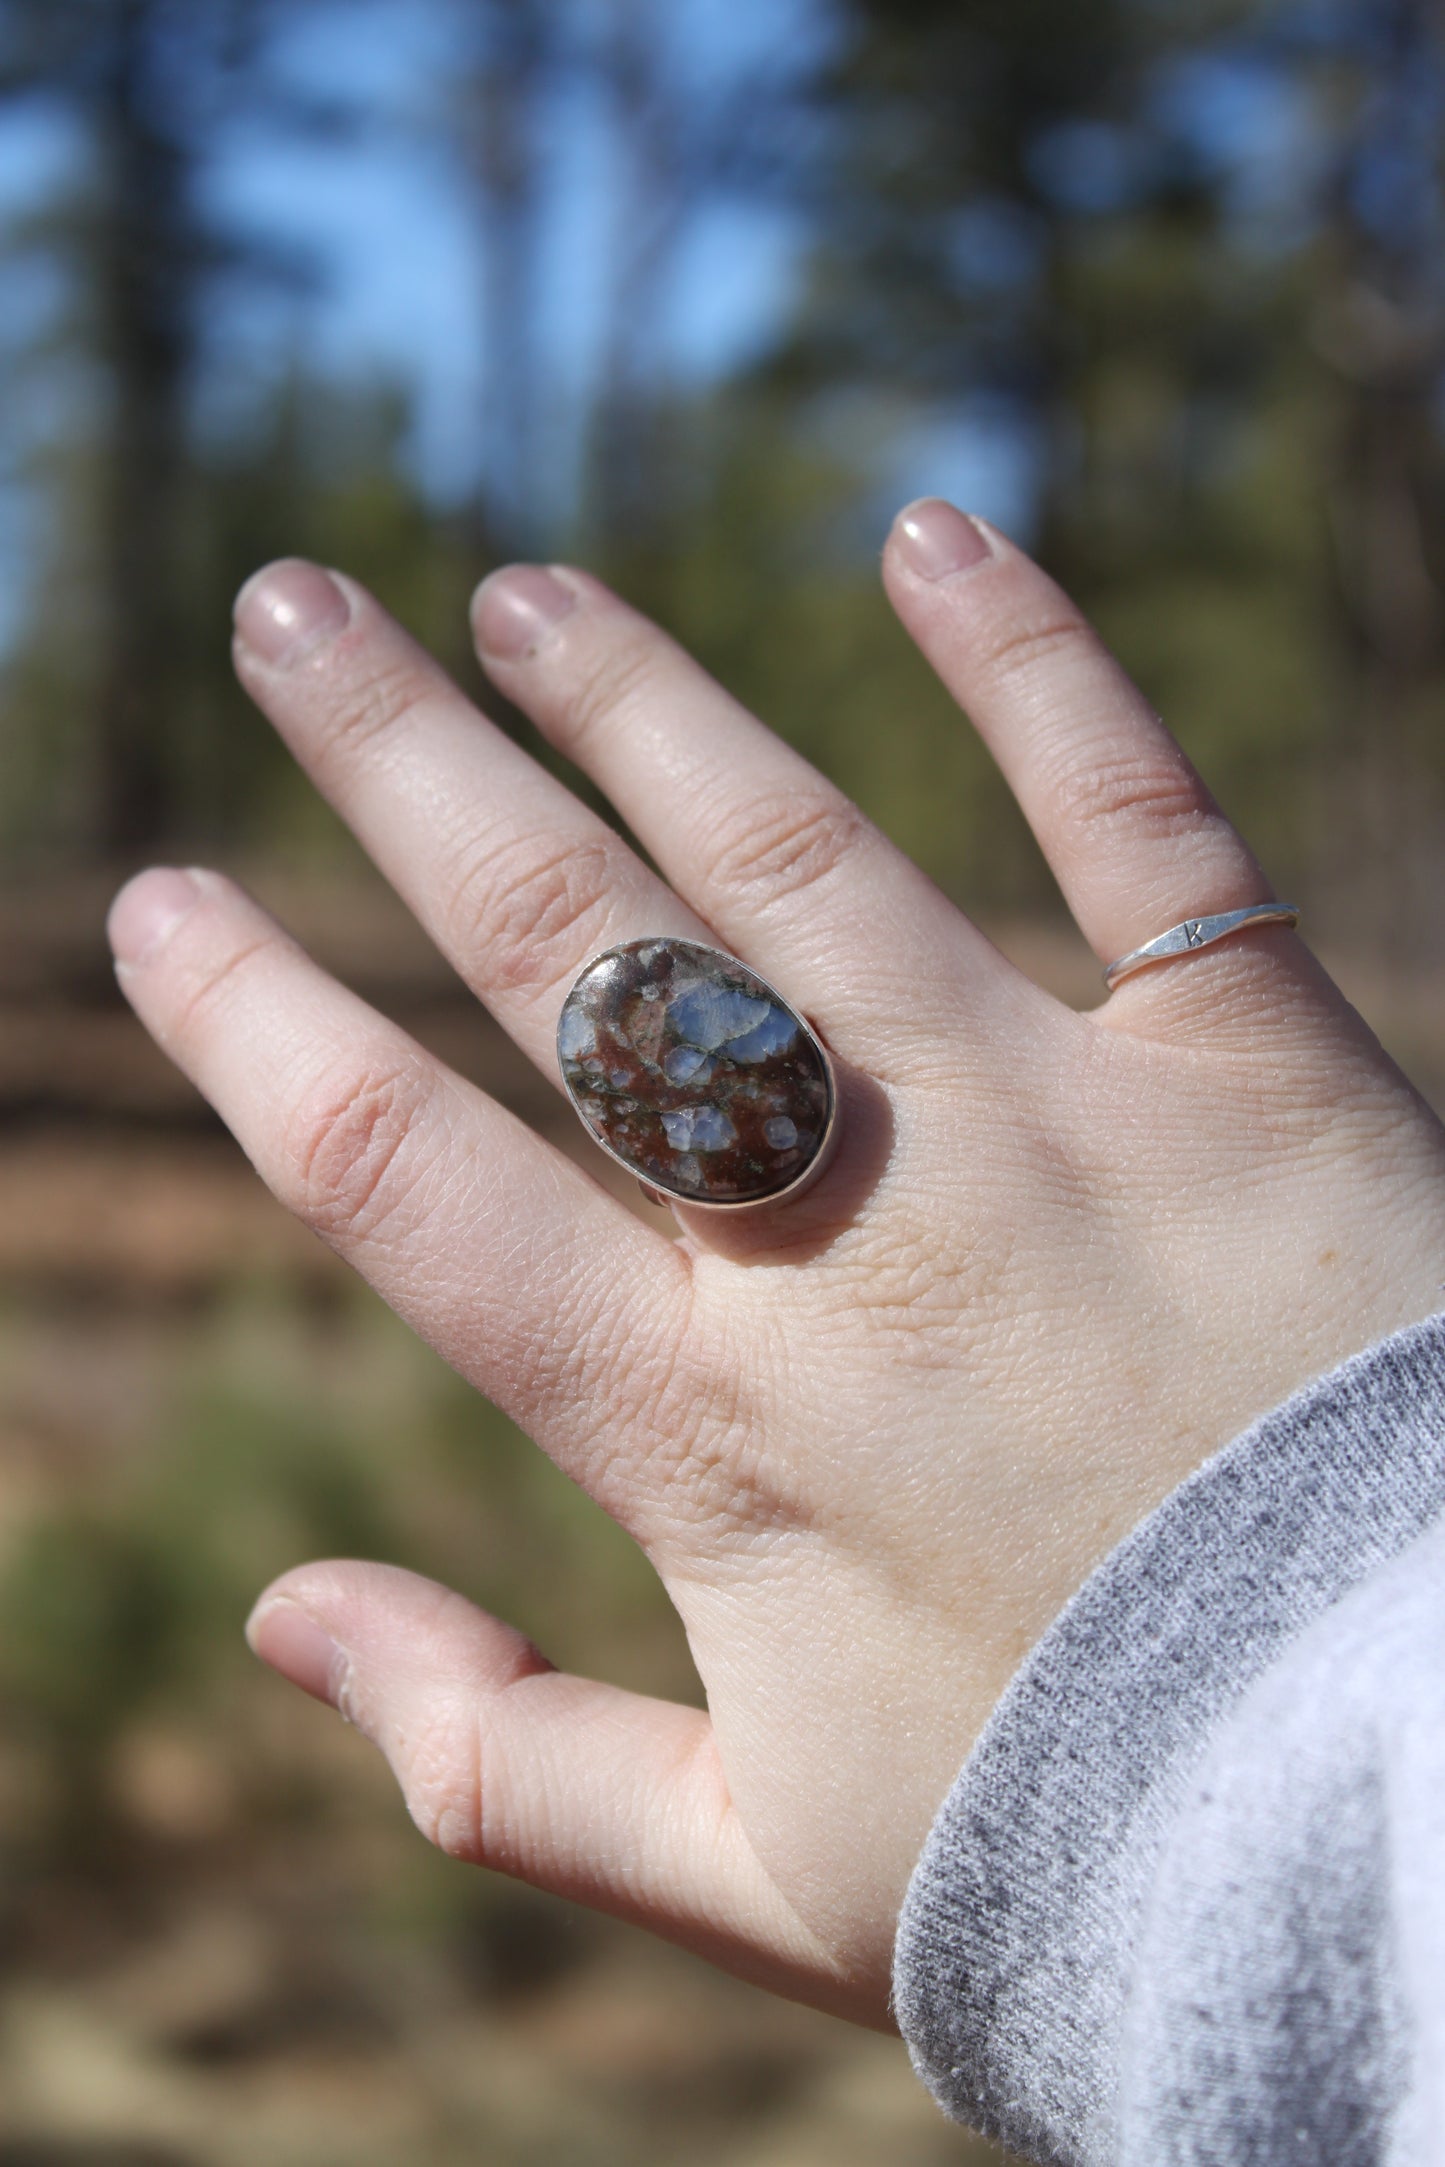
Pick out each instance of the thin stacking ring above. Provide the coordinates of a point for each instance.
(696, 1075)
(1192, 934)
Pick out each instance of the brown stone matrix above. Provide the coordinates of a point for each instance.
(693, 1072)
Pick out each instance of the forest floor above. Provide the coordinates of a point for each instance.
(220, 1940)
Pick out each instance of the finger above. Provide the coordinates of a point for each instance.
(603, 1796)
(516, 881)
(1134, 839)
(765, 848)
(482, 1236)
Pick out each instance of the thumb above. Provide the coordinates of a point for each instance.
(610, 1798)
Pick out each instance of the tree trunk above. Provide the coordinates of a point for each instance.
(145, 267)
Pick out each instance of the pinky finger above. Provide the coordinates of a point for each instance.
(604, 1796)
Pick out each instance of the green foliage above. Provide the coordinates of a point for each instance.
(1193, 254)
(92, 1622)
(1219, 364)
(286, 1441)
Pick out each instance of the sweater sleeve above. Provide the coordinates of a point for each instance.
(1181, 1904)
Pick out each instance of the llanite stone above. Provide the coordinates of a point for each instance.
(694, 1073)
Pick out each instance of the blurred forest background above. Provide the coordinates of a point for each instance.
(695, 292)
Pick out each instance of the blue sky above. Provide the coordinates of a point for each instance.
(400, 294)
(401, 297)
(403, 291)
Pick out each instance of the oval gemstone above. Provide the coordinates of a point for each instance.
(691, 1070)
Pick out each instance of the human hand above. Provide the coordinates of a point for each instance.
(872, 1439)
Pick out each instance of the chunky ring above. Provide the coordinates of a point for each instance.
(1192, 934)
(695, 1074)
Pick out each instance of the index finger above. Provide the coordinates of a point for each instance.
(531, 1281)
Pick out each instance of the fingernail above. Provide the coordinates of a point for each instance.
(936, 540)
(147, 911)
(514, 608)
(287, 609)
(290, 1640)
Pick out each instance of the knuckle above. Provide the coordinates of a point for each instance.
(531, 907)
(442, 1783)
(778, 847)
(373, 704)
(210, 989)
(346, 1153)
(1158, 797)
(612, 682)
(1020, 649)
(452, 1760)
(444, 1786)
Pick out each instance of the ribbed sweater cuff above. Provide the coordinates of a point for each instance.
(1015, 1942)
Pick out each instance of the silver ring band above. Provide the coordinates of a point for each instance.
(1192, 934)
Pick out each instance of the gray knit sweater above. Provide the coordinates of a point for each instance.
(1186, 1900)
